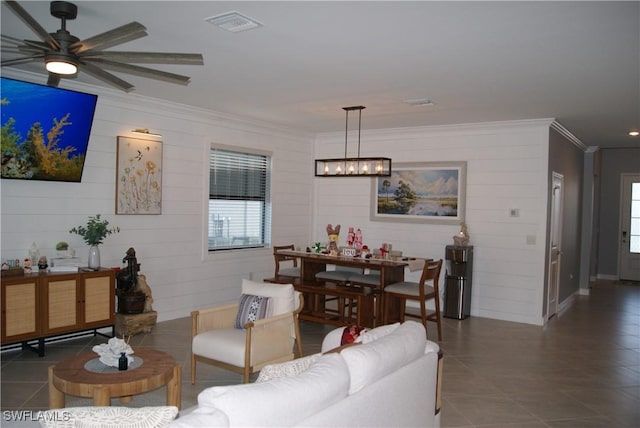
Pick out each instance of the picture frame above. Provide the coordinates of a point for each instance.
(138, 176)
(421, 192)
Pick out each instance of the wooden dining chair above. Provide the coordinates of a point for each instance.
(423, 291)
(289, 271)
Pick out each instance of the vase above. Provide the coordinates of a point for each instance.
(94, 257)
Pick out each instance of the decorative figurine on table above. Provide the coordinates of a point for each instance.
(318, 247)
(351, 237)
(334, 236)
(462, 238)
(357, 241)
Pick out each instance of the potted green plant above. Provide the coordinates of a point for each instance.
(93, 234)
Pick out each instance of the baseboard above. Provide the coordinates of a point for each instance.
(566, 303)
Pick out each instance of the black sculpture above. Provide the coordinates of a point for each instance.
(131, 300)
(128, 277)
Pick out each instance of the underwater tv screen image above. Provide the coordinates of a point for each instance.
(45, 131)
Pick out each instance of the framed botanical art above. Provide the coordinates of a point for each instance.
(426, 192)
(138, 176)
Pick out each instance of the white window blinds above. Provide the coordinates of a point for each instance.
(238, 199)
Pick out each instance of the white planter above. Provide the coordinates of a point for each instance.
(94, 257)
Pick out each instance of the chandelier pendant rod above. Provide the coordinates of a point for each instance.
(346, 132)
(359, 128)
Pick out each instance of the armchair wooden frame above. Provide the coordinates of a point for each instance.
(262, 338)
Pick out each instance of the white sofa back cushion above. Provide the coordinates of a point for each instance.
(284, 401)
(384, 355)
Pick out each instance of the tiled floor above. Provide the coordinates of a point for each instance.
(581, 370)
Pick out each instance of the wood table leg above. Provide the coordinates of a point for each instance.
(56, 397)
(101, 396)
(174, 388)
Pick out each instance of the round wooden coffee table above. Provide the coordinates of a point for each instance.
(70, 377)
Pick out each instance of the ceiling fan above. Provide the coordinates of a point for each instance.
(64, 54)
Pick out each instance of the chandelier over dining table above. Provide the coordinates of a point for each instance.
(353, 166)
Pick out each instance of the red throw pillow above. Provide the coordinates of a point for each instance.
(350, 334)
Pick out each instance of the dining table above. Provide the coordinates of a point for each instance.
(391, 270)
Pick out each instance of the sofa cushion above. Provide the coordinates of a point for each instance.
(108, 417)
(200, 416)
(289, 368)
(284, 401)
(370, 362)
(378, 332)
(252, 308)
(283, 294)
(224, 344)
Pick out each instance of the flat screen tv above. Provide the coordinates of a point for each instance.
(45, 131)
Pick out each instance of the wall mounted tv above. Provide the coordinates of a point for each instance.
(45, 131)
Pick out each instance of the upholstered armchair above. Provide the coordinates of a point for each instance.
(235, 336)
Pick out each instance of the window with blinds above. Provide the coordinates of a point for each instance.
(239, 206)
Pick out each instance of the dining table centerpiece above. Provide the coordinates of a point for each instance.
(93, 234)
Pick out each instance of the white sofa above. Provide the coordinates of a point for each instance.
(390, 379)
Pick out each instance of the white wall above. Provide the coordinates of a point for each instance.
(170, 246)
(506, 169)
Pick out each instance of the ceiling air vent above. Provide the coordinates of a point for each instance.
(234, 22)
(420, 102)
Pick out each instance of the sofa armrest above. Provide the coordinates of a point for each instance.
(213, 318)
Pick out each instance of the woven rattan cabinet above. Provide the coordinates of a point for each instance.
(38, 306)
(75, 302)
(20, 309)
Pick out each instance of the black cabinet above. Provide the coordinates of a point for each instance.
(457, 292)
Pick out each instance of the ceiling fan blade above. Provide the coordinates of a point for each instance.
(122, 34)
(106, 77)
(23, 45)
(23, 60)
(54, 80)
(147, 57)
(33, 24)
(145, 72)
(22, 50)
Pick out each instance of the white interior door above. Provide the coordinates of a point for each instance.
(630, 228)
(555, 248)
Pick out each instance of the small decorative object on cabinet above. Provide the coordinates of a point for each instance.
(93, 234)
(462, 238)
(457, 297)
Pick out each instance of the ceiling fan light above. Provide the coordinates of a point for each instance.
(61, 64)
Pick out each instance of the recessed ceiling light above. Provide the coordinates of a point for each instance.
(234, 22)
(420, 102)
(634, 133)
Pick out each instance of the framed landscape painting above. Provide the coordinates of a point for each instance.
(426, 192)
(138, 176)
